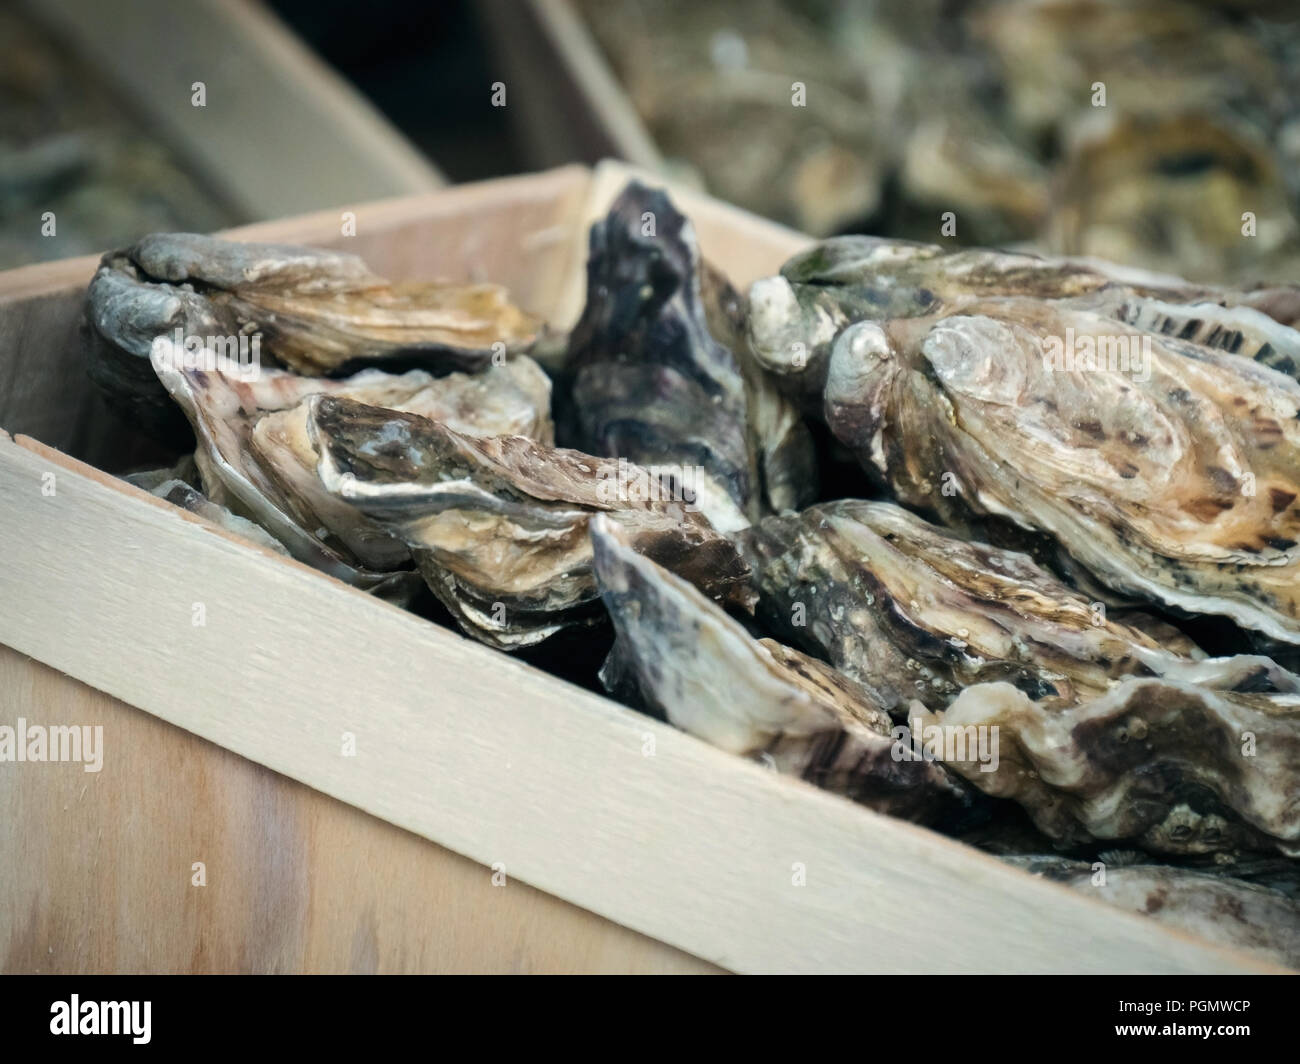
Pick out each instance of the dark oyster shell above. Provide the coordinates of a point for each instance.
(657, 370)
(1216, 908)
(685, 658)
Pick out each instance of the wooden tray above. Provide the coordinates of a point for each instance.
(457, 743)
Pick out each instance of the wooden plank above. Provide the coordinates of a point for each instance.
(564, 99)
(498, 762)
(280, 133)
(97, 875)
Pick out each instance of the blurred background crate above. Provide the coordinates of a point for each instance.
(99, 127)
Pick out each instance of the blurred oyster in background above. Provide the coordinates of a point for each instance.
(681, 655)
(1143, 131)
(1174, 193)
(67, 147)
(498, 525)
(716, 85)
(1153, 56)
(313, 311)
(964, 164)
(658, 371)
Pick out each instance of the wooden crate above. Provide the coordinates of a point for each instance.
(565, 99)
(280, 132)
(467, 747)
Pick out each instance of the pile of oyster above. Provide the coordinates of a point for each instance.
(1157, 133)
(1002, 545)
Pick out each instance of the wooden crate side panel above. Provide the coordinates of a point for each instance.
(97, 874)
(44, 390)
(501, 763)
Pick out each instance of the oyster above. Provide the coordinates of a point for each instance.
(1216, 908)
(498, 525)
(179, 493)
(1229, 324)
(1186, 140)
(714, 85)
(796, 316)
(1173, 767)
(125, 316)
(987, 110)
(1156, 57)
(658, 372)
(963, 163)
(1170, 192)
(1165, 469)
(184, 469)
(314, 311)
(683, 656)
(915, 615)
(255, 456)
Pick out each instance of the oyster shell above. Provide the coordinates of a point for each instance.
(915, 614)
(1216, 908)
(684, 657)
(1173, 767)
(952, 163)
(314, 311)
(498, 525)
(796, 316)
(1169, 476)
(184, 469)
(1156, 56)
(657, 371)
(255, 457)
(713, 85)
(1231, 324)
(987, 110)
(1169, 192)
(179, 493)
